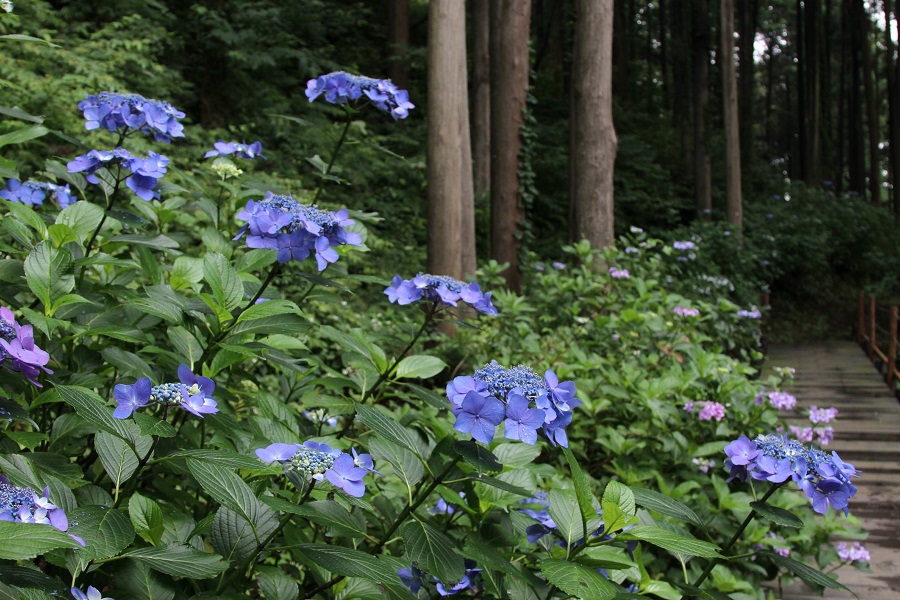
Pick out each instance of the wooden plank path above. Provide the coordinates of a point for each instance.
(867, 435)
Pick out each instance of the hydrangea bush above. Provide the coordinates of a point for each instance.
(195, 429)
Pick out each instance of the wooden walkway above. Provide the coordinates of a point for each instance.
(867, 435)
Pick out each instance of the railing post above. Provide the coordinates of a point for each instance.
(892, 349)
(872, 343)
(861, 317)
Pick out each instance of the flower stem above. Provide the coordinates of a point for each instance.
(109, 204)
(334, 154)
(737, 535)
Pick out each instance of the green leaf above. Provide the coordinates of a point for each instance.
(158, 307)
(577, 580)
(332, 515)
(151, 426)
(180, 560)
(92, 409)
(566, 514)
(605, 557)
(226, 488)
(159, 242)
(29, 217)
(285, 324)
(671, 541)
(583, 491)
(222, 458)
(419, 366)
(32, 578)
(118, 459)
(613, 517)
(503, 485)
(27, 439)
(235, 538)
(47, 272)
(82, 217)
(275, 584)
(406, 464)
(105, 531)
(269, 308)
(354, 563)
(14, 410)
(386, 425)
(665, 506)
(777, 515)
(223, 280)
(61, 234)
(806, 573)
(433, 550)
(27, 540)
(136, 580)
(17, 113)
(620, 495)
(186, 344)
(23, 134)
(478, 456)
(146, 517)
(516, 454)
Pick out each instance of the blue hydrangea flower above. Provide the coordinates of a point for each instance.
(517, 388)
(825, 479)
(33, 193)
(24, 505)
(683, 245)
(413, 578)
(111, 111)
(18, 351)
(468, 582)
(145, 172)
(192, 393)
(479, 415)
(296, 230)
(92, 594)
(320, 462)
(439, 289)
(340, 88)
(242, 150)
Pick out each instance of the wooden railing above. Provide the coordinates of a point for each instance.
(876, 332)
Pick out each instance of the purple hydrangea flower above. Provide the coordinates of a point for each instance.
(684, 245)
(711, 410)
(18, 351)
(92, 594)
(240, 150)
(320, 462)
(131, 397)
(684, 311)
(144, 172)
(522, 422)
(749, 314)
(341, 87)
(24, 505)
(111, 111)
(33, 193)
(852, 552)
(344, 474)
(439, 289)
(413, 578)
(822, 415)
(479, 415)
(617, 273)
(782, 400)
(192, 393)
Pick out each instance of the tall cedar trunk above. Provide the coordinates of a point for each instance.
(664, 46)
(680, 57)
(510, 20)
(481, 96)
(842, 102)
(771, 42)
(891, 66)
(622, 33)
(856, 150)
(813, 175)
(594, 154)
(827, 128)
(398, 41)
(747, 21)
(451, 223)
(733, 204)
(700, 86)
(802, 125)
(872, 119)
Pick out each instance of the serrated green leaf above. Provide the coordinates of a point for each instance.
(106, 531)
(430, 548)
(275, 584)
(566, 514)
(151, 426)
(419, 366)
(516, 455)
(583, 491)
(23, 134)
(82, 217)
(32, 578)
(222, 458)
(387, 427)
(180, 560)
(503, 485)
(665, 505)
(118, 458)
(223, 280)
(671, 541)
(605, 557)
(807, 573)
(61, 234)
(47, 272)
(160, 242)
(186, 344)
(268, 309)
(235, 538)
(619, 494)
(137, 580)
(577, 580)
(92, 409)
(354, 563)
(777, 515)
(406, 464)
(477, 455)
(26, 540)
(332, 515)
(146, 518)
(226, 488)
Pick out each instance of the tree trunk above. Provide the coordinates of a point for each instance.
(398, 41)
(481, 96)
(813, 174)
(733, 204)
(891, 66)
(747, 21)
(595, 136)
(451, 223)
(700, 87)
(680, 57)
(510, 20)
(873, 121)
(855, 133)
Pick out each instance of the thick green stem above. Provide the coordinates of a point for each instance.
(737, 535)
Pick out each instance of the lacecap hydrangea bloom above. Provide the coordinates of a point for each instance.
(111, 111)
(439, 289)
(685, 311)
(852, 552)
(519, 398)
(145, 172)
(192, 392)
(18, 350)
(340, 88)
(415, 579)
(240, 150)
(24, 505)
(92, 594)
(321, 462)
(33, 193)
(617, 273)
(824, 478)
(684, 245)
(779, 400)
(296, 230)
(749, 314)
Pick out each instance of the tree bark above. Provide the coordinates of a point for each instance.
(680, 58)
(510, 21)
(873, 122)
(856, 150)
(733, 203)
(893, 76)
(398, 41)
(700, 87)
(595, 136)
(812, 176)
(481, 96)
(747, 23)
(451, 223)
